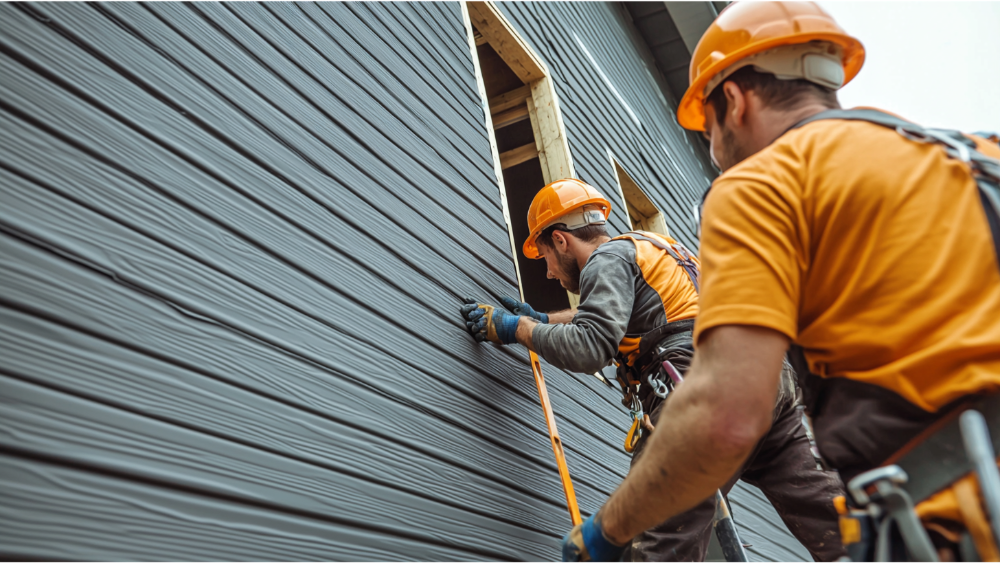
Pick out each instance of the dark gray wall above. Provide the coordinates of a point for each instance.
(233, 242)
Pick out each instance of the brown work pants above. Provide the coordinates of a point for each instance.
(784, 468)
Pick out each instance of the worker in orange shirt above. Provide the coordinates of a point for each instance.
(868, 244)
(638, 299)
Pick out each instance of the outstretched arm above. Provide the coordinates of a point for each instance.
(563, 317)
(716, 418)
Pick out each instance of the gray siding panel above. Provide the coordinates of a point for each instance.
(233, 243)
(241, 233)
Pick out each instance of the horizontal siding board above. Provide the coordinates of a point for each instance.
(87, 301)
(760, 526)
(42, 422)
(338, 125)
(170, 393)
(168, 183)
(236, 251)
(452, 151)
(187, 148)
(104, 517)
(282, 321)
(406, 152)
(411, 46)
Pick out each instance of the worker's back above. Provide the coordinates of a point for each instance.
(873, 253)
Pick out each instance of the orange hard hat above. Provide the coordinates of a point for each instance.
(744, 29)
(569, 201)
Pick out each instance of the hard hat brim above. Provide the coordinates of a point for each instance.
(691, 110)
(530, 248)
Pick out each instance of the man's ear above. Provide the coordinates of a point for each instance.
(736, 103)
(560, 241)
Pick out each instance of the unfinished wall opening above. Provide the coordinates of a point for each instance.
(642, 212)
(528, 138)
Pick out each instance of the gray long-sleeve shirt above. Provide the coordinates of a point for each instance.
(615, 302)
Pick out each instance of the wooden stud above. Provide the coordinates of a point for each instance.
(510, 99)
(551, 132)
(537, 133)
(516, 156)
(491, 23)
(510, 117)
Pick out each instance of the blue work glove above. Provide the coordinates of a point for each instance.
(587, 542)
(518, 308)
(489, 323)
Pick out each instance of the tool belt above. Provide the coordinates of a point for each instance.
(931, 462)
(643, 384)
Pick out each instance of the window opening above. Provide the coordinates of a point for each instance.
(527, 135)
(520, 169)
(642, 212)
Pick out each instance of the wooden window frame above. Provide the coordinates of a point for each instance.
(633, 196)
(538, 96)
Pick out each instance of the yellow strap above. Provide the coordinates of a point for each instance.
(967, 494)
(632, 438)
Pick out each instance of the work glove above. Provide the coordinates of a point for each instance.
(489, 323)
(518, 308)
(587, 542)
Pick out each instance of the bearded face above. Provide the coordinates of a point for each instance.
(731, 151)
(562, 267)
(570, 278)
(726, 149)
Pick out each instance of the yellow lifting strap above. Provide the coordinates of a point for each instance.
(550, 421)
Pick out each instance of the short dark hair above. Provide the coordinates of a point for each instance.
(590, 233)
(784, 94)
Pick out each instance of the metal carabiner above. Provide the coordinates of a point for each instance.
(656, 382)
(632, 438)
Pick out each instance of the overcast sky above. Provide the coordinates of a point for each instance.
(934, 63)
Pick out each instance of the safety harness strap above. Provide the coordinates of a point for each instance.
(677, 251)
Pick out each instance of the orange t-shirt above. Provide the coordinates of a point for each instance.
(870, 251)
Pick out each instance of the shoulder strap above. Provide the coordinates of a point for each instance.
(869, 115)
(676, 251)
(985, 170)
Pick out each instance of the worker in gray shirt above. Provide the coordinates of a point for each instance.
(638, 301)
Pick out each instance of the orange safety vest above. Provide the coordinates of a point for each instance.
(672, 271)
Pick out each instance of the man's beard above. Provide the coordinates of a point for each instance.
(732, 152)
(567, 263)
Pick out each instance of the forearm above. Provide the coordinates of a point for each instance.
(562, 317)
(525, 326)
(681, 467)
(716, 418)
